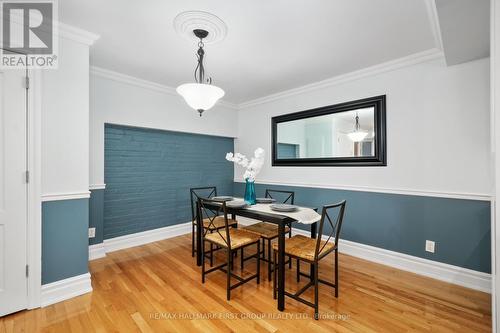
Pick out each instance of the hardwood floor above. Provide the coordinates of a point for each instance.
(157, 288)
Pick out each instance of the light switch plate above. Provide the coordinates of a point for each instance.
(91, 232)
(430, 246)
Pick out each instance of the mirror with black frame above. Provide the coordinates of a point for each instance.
(347, 134)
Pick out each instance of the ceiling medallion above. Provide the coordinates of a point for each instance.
(186, 22)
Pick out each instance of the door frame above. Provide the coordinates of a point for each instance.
(34, 202)
(495, 154)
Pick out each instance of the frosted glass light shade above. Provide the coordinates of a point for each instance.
(357, 136)
(199, 96)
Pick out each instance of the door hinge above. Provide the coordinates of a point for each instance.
(27, 82)
(27, 271)
(27, 176)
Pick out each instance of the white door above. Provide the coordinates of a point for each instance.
(13, 191)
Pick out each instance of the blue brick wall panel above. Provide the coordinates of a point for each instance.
(148, 174)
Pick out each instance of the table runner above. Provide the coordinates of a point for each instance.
(303, 215)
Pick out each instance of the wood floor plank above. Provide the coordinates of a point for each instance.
(157, 288)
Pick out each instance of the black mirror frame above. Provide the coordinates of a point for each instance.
(380, 158)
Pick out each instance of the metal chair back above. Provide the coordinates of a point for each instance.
(335, 223)
(209, 210)
(286, 197)
(200, 192)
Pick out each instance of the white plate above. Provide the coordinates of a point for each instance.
(236, 204)
(222, 198)
(265, 200)
(284, 208)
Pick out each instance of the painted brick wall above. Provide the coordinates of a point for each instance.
(148, 174)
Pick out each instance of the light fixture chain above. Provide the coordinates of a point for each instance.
(200, 76)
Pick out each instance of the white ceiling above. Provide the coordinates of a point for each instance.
(465, 29)
(271, 46)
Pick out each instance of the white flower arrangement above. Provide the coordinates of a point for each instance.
(253, 166)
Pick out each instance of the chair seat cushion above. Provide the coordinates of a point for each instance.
(303, 247)
(238, 237)
(218, 223)
(264, 229)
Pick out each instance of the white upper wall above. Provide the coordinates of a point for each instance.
(270, 45)
(118, 99)
(437, 130)
(65, 122)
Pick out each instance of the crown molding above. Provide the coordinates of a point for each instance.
(76, 34)
(132, 80)
(434, 22)
(392, 65)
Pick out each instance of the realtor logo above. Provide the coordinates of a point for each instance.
(28, 34)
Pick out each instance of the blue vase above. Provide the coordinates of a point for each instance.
(250, 197)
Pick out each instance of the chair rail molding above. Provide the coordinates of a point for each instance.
(65, 196)
(403, 191)
(97, 187)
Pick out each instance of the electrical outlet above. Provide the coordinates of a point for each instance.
(430, 246)
(91, 232)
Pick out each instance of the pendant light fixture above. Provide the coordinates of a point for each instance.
(358, 134)
(201, 95)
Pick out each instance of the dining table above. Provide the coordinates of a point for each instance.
(262, 215)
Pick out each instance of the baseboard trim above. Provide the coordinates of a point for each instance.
(437, 270)
(124, 242)
(433, 269)
(97, 251)
(62, 290)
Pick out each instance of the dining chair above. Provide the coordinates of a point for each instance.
(312, 251)
(195, 194)
(269, 231)
(231, 239)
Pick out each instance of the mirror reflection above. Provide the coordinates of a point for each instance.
(342, 134)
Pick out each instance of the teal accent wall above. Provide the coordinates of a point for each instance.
(96, 215)
(402, 223)
(64, 239)
(148, 174)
